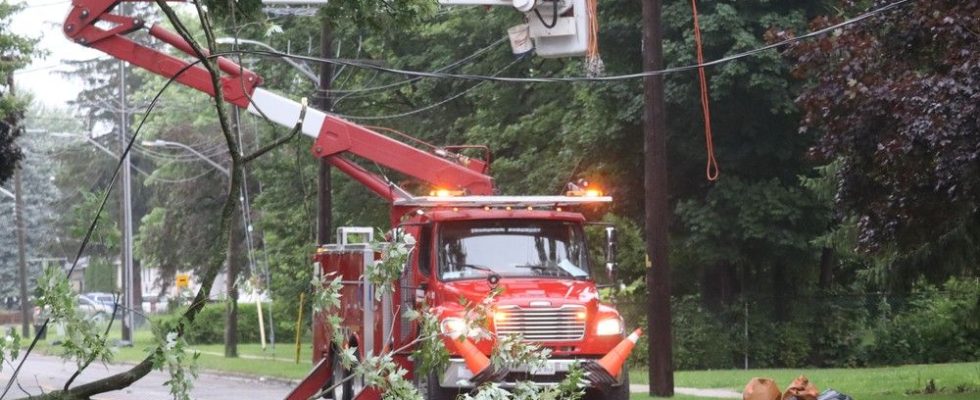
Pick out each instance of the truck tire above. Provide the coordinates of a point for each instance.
(337, 374)
(434, 391)
(621, 392)
(345, 391)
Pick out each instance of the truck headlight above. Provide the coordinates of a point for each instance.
(609, 326)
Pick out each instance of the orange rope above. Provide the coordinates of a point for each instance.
(594, 65)
(593, 15)
(711, 169)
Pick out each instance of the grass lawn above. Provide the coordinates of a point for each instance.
(252, 361)
(860, 383)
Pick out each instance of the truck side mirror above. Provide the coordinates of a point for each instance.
(611, 246)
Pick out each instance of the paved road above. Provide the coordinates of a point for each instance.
(44, 373)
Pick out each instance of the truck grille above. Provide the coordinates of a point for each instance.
(543, 324)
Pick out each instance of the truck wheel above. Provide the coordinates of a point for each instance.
(621, 392)
(434, 391)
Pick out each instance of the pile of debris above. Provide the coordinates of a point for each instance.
(800, 389)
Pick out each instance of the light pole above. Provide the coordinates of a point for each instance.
(127, 206)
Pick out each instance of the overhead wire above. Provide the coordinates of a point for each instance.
(566, 79)
(428, 107)
(446, 67)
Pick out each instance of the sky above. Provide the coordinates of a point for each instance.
(42, 19)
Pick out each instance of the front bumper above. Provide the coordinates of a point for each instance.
(457, 375)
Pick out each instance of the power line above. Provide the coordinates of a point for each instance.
(430, 106)
(610, 78)
(446, 67)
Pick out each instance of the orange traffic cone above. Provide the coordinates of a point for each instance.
(478, 363)
(607, 369)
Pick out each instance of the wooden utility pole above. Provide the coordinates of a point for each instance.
(661, 371)
(25, 305)
(324, 103)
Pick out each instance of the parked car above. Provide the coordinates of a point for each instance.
(107, 299)
(153, 304)
(93, 308)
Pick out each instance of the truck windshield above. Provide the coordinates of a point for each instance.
(512, 248)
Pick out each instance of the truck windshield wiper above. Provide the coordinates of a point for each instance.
(492, 276)
(478, 268)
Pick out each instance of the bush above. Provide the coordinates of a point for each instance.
(700, 340)
(838, 328)
(938, 326)
(100, 276)
(209, 327)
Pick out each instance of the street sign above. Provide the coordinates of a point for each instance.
(183, 280)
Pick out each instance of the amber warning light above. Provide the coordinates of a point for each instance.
(445, 193)
(582, 188)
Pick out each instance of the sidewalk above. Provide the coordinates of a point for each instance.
(714, 393)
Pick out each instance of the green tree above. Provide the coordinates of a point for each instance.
(15, 53)
(40, 202)
(100, 276)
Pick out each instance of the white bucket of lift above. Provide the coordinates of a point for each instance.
(520, 39)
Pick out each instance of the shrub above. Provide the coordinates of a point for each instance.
(937, 326)
(209, 327)
(837, 329)
(700, 340)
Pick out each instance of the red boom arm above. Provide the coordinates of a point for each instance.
(334, 136)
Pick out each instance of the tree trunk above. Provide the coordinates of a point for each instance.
(779, 292)
(234, 266)
(827, 260)
(719, 286)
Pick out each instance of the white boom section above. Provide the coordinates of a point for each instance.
(285, 111)
(501, 201)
